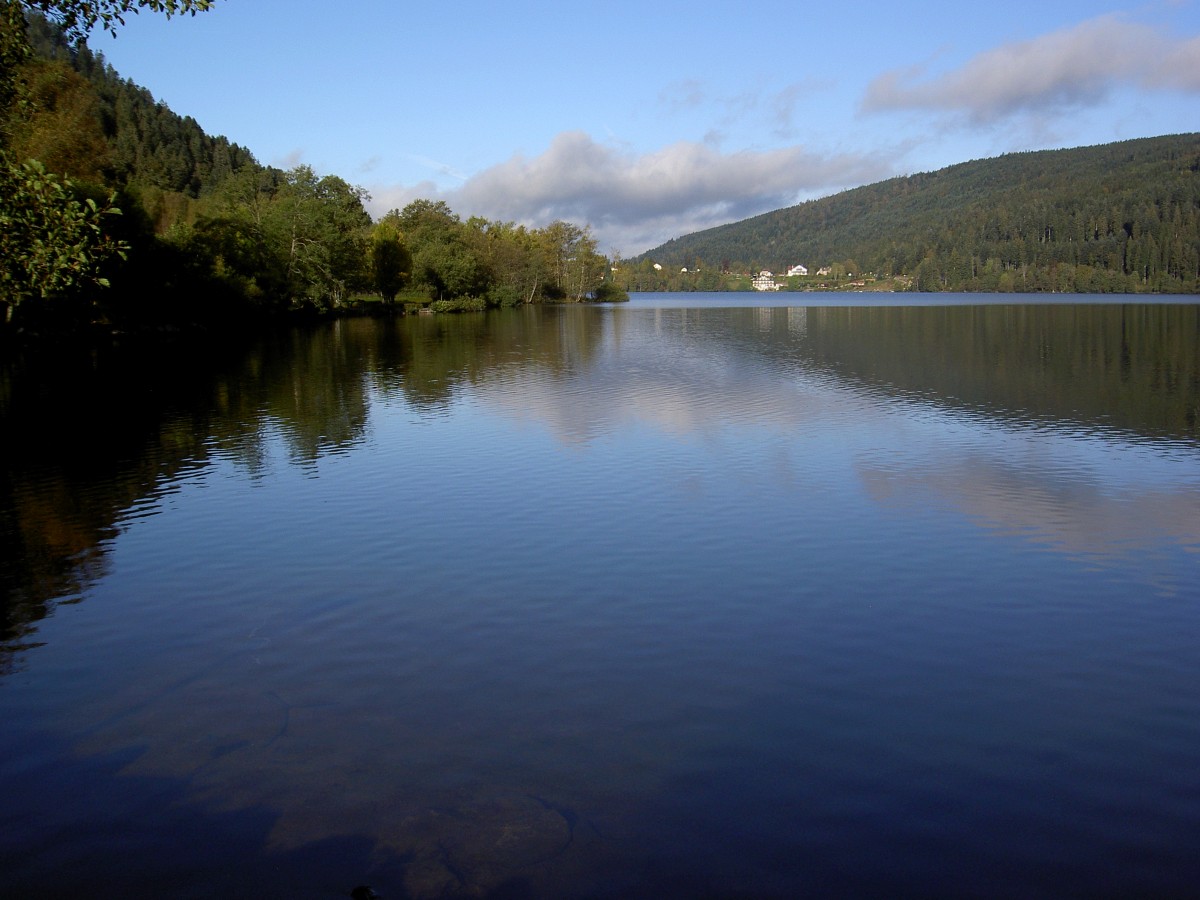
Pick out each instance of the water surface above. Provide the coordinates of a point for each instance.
(662, 599)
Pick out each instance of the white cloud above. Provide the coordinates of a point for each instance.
(1179, 68)
(1075, 67)
(636, 201)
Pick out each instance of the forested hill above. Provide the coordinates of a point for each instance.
(89, 123)
(117, 215)
(1110, 218)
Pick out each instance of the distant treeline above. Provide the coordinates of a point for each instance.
(121, 212)
(1122, 217)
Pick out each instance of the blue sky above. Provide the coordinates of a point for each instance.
(652, 120)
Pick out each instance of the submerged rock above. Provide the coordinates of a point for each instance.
(473, 848)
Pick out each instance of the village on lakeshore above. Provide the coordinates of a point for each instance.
(653, 276)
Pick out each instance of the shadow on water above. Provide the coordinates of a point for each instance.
(105, 834)
(1133, 368)
(94, 435)
(90, 433)
(102, 832)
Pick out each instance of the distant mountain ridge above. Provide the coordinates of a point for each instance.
(1115, 217)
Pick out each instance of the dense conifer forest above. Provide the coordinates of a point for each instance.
(1122, 217)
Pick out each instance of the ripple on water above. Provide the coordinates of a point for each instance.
(709, 595)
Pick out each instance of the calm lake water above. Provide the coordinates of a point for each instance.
(689, 597)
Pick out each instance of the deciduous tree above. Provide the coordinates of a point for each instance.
(78, 17)
(391, 261)
(51, 240)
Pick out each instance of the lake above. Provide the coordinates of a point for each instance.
(695, 596)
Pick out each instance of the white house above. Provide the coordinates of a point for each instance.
(764, 281)
(797, 270)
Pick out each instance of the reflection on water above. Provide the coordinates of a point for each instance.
(633, 601)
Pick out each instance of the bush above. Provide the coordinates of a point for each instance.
(459, 304)
(505, 296)
(608, 292)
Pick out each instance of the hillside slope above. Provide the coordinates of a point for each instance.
(1115, 217)
(81, 119)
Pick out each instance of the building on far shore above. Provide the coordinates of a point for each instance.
(797, 270)
(764, 281)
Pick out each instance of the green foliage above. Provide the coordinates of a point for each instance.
(442, 259)
(51, 240)
(459, 304)
(228, 254)
(1114, 218)
(513, 257)
(99, 126)
(212, 233)
(502, 263)
(78, 17)
(576, 269)
(318, 224)
(608, 292)
(391, 262)
(14, 49)
(504, 296)
(446, 264)
(60, 123)
(285, 239)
